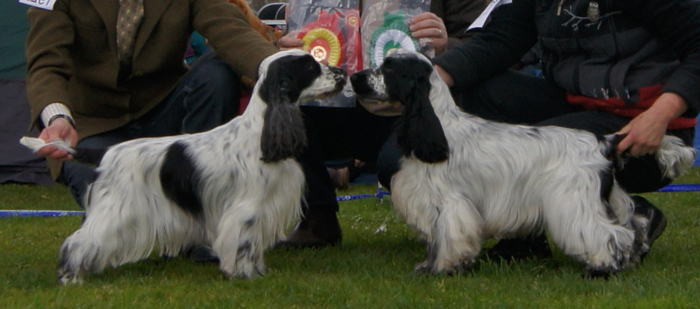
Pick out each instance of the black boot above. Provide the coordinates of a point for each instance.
(657, 220)
(514, 249)
(316, 230)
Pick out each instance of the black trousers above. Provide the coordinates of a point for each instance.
(518, 98)
(338, 133)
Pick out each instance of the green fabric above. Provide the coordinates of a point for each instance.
(13, 33)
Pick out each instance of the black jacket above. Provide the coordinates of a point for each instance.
(617, 48)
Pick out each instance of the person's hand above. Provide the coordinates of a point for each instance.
(645, 132)
(59, 129)
(430, 26)
(445, 76)
(289, 41)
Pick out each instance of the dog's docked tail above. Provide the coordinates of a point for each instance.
(674, 157)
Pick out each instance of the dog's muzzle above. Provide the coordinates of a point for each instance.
(339, 76)
(369, 84)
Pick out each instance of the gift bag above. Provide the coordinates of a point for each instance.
(330, 30)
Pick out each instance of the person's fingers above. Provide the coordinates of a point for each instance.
(424, 16)
(625, 142)
(428, 33)
(46, 150)
(288, 42)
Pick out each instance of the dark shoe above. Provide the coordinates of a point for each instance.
(203, 254)
(314, 231)
(516, 249)
(340, 177)
(657, 220)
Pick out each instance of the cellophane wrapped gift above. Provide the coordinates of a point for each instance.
(385, 28)
(330, 30)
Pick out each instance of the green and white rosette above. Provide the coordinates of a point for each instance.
(392, 34)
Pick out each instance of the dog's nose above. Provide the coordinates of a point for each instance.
(339, 75)
(355, 78)
(337, 70)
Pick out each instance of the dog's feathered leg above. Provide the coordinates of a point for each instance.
(102, 242)
(452, 226)
(599, 233)
(239, 242)
(456, 236)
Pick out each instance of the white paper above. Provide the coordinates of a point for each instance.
(35, 144)
(42, 4)
(481, 20)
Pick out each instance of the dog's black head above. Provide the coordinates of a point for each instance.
(287, 79)
(406, 77)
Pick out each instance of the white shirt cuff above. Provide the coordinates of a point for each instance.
(55, 109)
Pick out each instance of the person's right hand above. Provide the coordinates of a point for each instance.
(289, 41)
(59, 129)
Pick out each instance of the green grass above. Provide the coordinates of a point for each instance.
(370, 270)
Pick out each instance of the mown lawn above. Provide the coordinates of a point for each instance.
(370, 270)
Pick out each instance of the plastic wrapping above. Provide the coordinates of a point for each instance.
(330, 30)
(385, 27)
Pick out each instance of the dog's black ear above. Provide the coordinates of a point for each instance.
(419, 130)
(283, 134)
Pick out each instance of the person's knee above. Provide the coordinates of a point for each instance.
(217, 75)
(212, 91)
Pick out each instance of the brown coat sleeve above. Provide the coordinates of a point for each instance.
(48, 59)
(231, 36)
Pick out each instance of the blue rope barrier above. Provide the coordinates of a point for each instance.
(681, 188)
(39, 213)
(380, 193)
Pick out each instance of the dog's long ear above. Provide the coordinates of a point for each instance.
(419, 130)
(283, 134)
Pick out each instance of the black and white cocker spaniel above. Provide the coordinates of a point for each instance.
(235, 188)
(464, 179)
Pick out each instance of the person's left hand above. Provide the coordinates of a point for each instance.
(645, 132)
(429, 25)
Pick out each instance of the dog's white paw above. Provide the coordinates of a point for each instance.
(69, 278)
(244, 269)
(243, 274)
